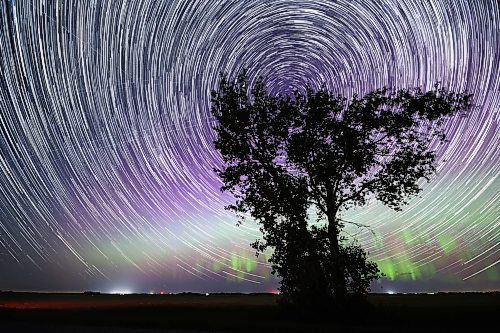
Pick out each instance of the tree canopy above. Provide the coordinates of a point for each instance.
(286, 154)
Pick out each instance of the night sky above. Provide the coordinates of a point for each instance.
(106, 140)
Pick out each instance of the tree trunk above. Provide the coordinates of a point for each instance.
(339, 282)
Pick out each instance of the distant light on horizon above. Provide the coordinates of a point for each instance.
(121, 292)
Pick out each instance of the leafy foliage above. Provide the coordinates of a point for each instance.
(286, 154)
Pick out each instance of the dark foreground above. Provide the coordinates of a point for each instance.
(75, 313)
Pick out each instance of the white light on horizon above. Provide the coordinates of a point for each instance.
(121, 292)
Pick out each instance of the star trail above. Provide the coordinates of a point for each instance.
(106, 140)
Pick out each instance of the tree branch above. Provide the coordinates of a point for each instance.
(360, 225)
(363, 187)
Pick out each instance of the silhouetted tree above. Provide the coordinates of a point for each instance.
(286, 154)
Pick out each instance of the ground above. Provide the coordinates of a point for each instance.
(78, 313)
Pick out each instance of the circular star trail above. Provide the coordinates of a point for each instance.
(106, 151)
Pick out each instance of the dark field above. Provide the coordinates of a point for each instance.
(31, 312)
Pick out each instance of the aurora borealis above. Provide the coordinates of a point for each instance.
(106, 152)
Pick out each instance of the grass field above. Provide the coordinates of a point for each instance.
(32, 312)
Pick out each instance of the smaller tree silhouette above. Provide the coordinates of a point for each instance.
(284, 155)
